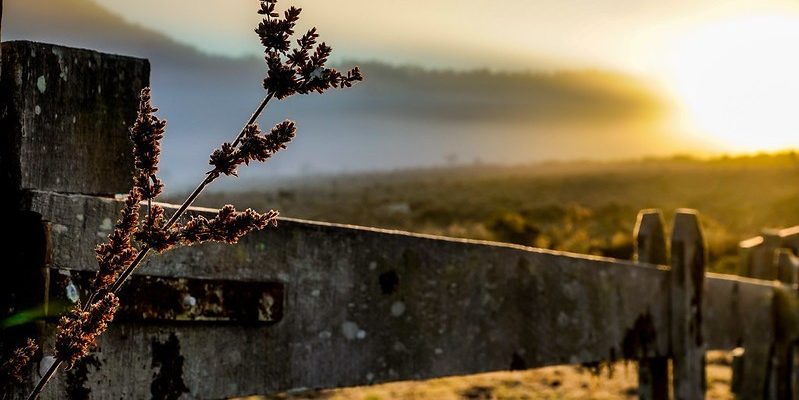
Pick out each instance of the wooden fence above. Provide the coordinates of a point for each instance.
(313, 305)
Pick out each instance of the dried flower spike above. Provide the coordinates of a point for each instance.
(118, 253)
(296, 70)
(146, 134)
(254, 145)
(228, 226)
(153, 233)
(79, 329)
(13, 369)
(257, 146)
(225, 160)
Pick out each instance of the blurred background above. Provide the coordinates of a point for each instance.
(546, 123)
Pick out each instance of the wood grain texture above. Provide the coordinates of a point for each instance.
(651, 247)
(367, 305)
(688, 345)
(64, 118)
(769, 371)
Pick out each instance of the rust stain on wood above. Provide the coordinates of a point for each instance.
(177, 299)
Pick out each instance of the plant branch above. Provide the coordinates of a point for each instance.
(44, 379)
(302, 74)
(188, 202)
(210, 177)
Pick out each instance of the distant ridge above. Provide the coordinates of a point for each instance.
(590, 94)
(84, 23)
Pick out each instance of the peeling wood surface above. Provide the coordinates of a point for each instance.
(367, 305)
(64, 118)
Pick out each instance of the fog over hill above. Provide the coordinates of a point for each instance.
(399, 117)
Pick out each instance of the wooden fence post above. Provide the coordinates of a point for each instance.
(651, 247)
(752, 365)
(787, 266)
(784, 355)
(688, 259)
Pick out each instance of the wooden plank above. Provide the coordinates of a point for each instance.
(770, 256)
(757, 255)
(756, 260)
(394, 305)
(758, 340)
(748, 251)
(787, 304)
(787, 266)
(1, 35)
(790, 238)
(730, 304)
(56, 102)
(688, 259)
(739, 315)
(651, 247)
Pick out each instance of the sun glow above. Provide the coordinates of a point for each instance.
(738, 82)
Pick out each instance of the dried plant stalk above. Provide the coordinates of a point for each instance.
(290, 70)
(12, 371)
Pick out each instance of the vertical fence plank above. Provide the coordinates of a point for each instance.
(767, 367)
(763, 261)
(787, 266)
(688, 259)
(790, 238)
(752, 363)
(784, 352)
(747, 249)
(651, 247)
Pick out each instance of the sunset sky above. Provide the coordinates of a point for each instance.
(730, 65)
(611, 78)
(622, 34)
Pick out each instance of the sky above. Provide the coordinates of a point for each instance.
(729, 65)
(629, 35)
(725, 69)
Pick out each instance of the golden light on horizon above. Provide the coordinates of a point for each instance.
(737, 82)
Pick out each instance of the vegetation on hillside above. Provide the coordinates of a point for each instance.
(584, 207)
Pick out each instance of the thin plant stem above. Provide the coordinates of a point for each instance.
(126, 273)
(211, 176)
(123, 277)
(44, 379)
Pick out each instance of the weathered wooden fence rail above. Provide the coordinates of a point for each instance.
(311, 304)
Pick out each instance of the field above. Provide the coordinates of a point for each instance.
(562, 382)
(585, 207)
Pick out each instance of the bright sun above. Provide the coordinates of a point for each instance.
(738, 81)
